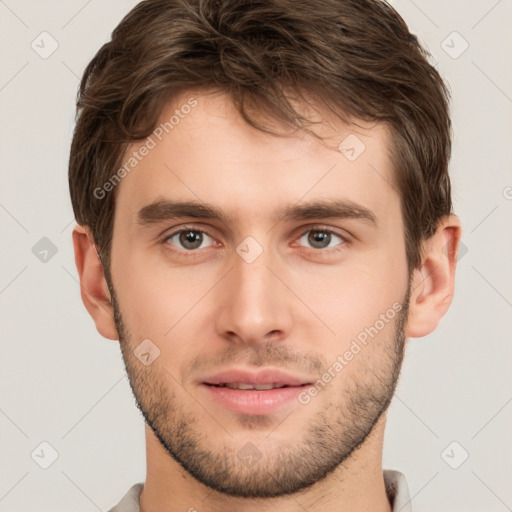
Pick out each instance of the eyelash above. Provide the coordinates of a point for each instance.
(340, 246)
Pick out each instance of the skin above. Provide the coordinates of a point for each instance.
(297, 307)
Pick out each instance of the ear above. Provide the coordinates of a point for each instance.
(93, 286)
(433, 283)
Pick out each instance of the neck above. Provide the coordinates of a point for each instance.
(356, 485)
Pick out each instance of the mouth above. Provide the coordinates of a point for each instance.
(254, 393)
(246, 387)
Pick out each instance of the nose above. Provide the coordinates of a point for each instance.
(254, 306)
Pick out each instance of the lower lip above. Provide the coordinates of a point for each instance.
(252, 401)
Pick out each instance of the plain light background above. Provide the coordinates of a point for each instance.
(65, 385)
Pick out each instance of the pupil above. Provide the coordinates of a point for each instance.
(191, 239)
(318, 239)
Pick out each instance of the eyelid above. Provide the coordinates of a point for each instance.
(327, 229)
(345, 240)
(304, 230)
(186, 228)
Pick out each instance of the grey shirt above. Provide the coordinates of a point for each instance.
(396, 489)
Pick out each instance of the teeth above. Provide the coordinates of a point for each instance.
(234, 385)
(257, 387)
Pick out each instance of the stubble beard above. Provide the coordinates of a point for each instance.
(329, 438)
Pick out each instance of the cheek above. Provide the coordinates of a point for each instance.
(350, 296)
(165, 305)
(156, 305)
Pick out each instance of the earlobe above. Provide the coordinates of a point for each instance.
(433, 283)
(93, 286)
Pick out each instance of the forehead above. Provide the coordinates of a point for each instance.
(203, 150)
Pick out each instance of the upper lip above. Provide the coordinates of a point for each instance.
(255, 378)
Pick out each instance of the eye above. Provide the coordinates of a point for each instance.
(321, 238)
(189, 239)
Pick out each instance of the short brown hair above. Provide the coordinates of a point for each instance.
(356, 57)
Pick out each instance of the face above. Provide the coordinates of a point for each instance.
(285, 267)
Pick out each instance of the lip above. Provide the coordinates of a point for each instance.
(266, 376)
(254, 402)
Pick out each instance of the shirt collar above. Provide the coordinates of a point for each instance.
(397, 491)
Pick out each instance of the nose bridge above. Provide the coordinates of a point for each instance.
(254, 304)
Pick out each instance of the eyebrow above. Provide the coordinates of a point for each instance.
(163, 210)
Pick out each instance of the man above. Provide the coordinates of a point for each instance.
(264, 219)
